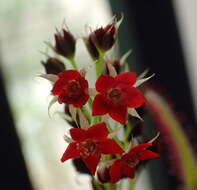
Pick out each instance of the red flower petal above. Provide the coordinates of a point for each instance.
(109, 146)
(71, 152)
(97, 131)
(83, 83)
(119, 113)
(147, 154)
(116, 171)
(69, 75)
(129, 172)
(134, 97)
(140, 147)
(92, 162)
(128, 78)
(79, 102)
(57, 88)
(63, 80)
(104, 83)
(100, 105)
(78, 134)
(94, 132)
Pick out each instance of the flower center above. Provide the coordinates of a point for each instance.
(74, 87)
(89, 148)
(115, 95)
(132, 161)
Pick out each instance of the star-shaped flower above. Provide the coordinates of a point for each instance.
(116, 95)
(71, 88)
(90, 144)
(126, 165)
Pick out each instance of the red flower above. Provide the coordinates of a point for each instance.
(125, 166)
(71, 88)
(90, 144)
(116, 94)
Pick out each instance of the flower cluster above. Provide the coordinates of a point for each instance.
(114, 97)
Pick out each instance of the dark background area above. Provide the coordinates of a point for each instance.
(14, 174)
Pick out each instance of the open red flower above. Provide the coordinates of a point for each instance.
(126, 165)
(71, 88)
(116, 94)
(90, 144)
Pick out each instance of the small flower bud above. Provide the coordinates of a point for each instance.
(104, 38)
(65, 44)
(116, 64)
(103, 174)
(53, 66)
(91, 48)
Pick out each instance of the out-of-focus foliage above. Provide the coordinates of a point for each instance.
(184, 158)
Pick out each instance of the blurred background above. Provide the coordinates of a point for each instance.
(162, 35)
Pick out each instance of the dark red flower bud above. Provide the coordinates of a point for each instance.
(53, 66)
(91, 48)
(104, 38)
(65, 44)
(116, 64)
(103, 174)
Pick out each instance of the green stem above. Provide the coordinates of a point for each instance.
(132, 183)
(90, 101)
(100, 64)
(72, 61)
(115, 137)
(97, 185)
(87, 113)
(110, 186)
(129, 128)
(95, 120)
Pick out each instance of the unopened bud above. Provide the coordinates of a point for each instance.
(53, 66)
(91, 48)
(116, 64)
(65, 44)
(104, 38)
(103, 174)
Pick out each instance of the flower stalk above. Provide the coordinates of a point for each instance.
(100, 64)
